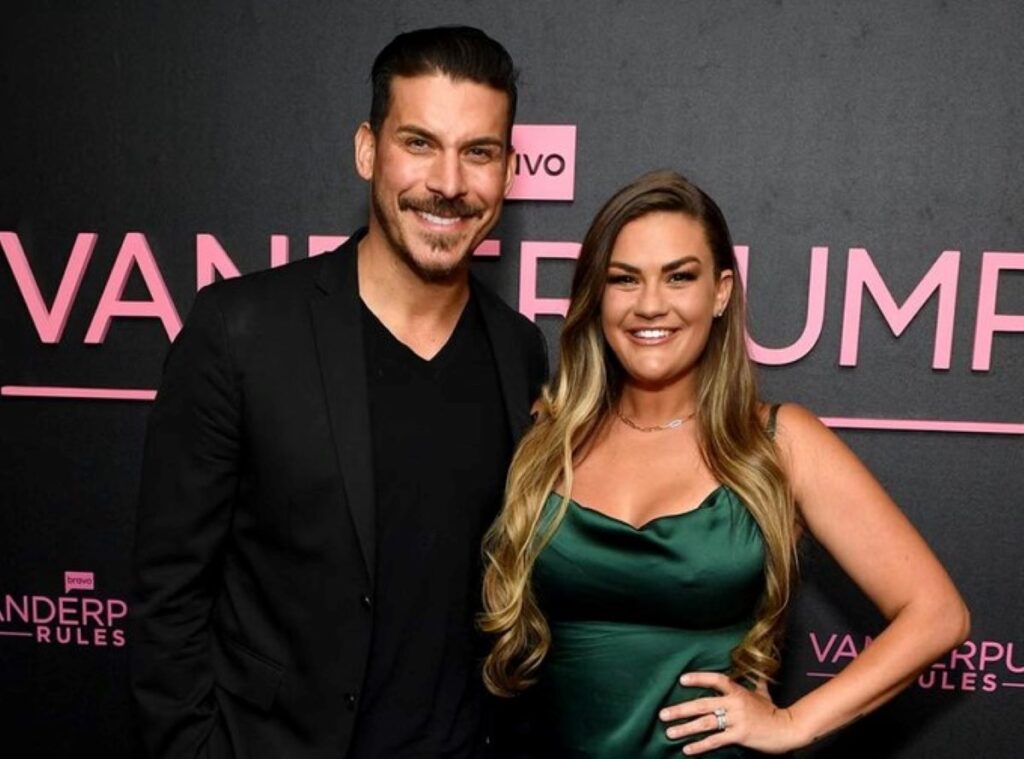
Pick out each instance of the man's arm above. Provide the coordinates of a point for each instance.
(189, 478)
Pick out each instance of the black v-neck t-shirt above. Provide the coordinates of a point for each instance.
(441, 449)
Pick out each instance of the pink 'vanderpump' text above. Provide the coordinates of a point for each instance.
(985, 665)
(940, 283)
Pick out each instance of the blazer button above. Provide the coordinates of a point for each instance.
(350, 701)
(365, 601)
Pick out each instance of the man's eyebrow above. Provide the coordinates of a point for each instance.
(426, 134)
(670, 266)
(486, 142)
(416, 130)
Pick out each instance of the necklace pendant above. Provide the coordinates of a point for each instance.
(673, 424)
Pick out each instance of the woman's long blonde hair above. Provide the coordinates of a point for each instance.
(733, 441)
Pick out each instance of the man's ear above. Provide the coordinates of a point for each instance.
(365, 150)
(510, 169)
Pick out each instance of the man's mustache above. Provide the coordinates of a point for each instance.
(436, 206)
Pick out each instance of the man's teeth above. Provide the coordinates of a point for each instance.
(443, 220)
(651, 334)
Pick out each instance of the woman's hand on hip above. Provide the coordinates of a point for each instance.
(738, 716)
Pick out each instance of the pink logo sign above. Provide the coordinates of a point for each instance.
(985, 665)
(66, 620)
(79, 581)
(545, 162)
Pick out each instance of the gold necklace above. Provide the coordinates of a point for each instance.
(669, 425)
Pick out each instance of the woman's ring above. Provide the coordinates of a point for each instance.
(720, 716)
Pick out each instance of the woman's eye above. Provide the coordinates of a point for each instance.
(621, 279)
(682, 276)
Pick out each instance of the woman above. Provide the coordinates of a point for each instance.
(652, 514)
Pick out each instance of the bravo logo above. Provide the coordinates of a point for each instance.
(70, 619)
(545, 162)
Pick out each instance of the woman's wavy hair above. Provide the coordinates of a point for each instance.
(733, 441)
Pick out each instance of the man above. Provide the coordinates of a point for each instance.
(328, 445)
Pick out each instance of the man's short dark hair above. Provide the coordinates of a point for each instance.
(459, 52)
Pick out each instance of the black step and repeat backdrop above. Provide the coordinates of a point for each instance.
(867, 154)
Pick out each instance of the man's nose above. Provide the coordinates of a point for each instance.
(447, 176)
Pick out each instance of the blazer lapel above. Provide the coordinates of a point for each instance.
(337, 325)
(511, 361)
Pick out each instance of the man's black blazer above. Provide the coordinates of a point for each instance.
(254, 556)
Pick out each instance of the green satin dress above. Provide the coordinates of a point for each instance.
(632, 609)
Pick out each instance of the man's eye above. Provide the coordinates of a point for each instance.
(481, 154)
(416, 143)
